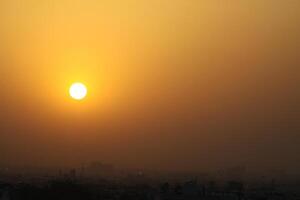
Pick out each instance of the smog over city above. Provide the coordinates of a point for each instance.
(161, 99)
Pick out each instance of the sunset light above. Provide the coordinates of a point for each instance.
(78, 91)
(149, 99)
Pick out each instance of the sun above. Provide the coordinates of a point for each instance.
(78, 91)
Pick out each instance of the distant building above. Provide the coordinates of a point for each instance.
(99, 169)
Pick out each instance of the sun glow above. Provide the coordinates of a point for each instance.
(78, 91)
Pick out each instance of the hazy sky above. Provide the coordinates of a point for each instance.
(172, 84)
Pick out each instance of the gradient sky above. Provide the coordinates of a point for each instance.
(172, 84)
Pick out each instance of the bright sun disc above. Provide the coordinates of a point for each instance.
(78, 91)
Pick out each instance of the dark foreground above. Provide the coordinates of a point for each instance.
(139, 186)
(66, 189)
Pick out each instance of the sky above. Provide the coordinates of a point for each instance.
(181, 85)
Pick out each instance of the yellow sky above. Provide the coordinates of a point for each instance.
(180, 63)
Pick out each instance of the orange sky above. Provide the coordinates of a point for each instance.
(172, 84)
